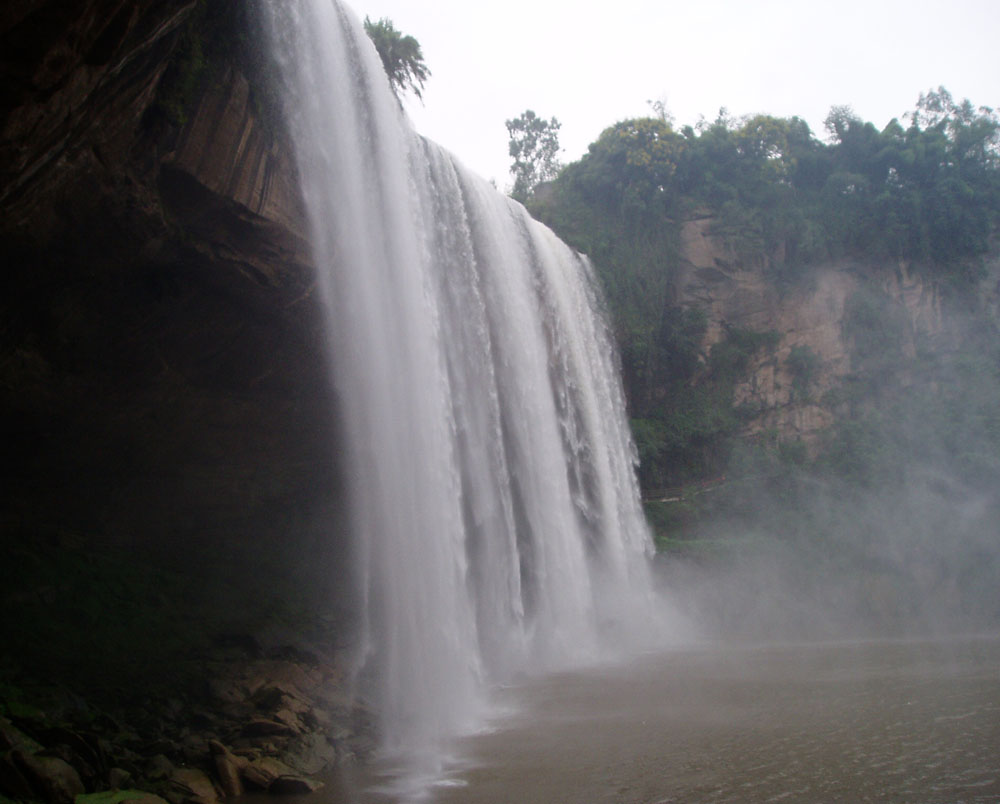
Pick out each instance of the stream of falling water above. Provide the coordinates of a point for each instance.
(490, 466)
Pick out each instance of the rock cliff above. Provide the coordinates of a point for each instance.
(163, 363)
(171, 503)
(811, 315)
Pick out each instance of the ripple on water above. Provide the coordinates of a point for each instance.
(886, 721)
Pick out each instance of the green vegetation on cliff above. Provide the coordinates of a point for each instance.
(927, 192)
(887, 517)
(217, 36)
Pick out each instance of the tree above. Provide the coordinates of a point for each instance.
(534, 146)
(839, 121)
(631, 167)
(401, 57)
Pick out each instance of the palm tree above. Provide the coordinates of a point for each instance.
(401, 57)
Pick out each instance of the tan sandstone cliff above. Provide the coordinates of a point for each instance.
(809, 313)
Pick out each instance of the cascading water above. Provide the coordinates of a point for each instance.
(491, 471)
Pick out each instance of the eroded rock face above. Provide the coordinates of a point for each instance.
(164, 378)
(75, 78)
(165, 403)
(810, 314)
(164, 361)
(230, 153)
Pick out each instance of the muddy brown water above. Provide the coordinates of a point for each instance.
(896, 721)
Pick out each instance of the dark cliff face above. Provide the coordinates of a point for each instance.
(163, 373)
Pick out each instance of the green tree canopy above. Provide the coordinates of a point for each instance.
(631, 166)
(401, 56)
(926, 190)
(534, 148)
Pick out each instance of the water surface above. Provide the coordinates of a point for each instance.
(913, 721)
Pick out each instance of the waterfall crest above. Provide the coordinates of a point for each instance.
(490, 467)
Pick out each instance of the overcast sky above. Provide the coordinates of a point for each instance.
(593, 64)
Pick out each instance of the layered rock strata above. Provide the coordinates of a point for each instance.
(165, 401)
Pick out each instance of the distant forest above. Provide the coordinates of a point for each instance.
(925, 189)
(928, 190)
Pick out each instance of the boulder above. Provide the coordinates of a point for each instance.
(191, 786)
(272, 698)
(263, 772)
(265, 727)
(159, 768)
(88, 773)
(289, 719)
(12, 737)
(55, 779)
(194, 748)
(119, 778)
(311, 754)
(82, 751)
(289, 678)
(226, 690)
(291, 785)
(227, 768)
(13, 784)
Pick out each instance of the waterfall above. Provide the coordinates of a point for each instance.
(490, 467)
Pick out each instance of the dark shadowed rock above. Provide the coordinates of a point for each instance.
(262, 727)
(191, 786)
(13, 737)
(262, 773)
(159, 768)
(227, 768)
(119, 778)
(13, 783)
(164, 398)
(54, 778)
(163, 367)
(292, 785)
(311, 754)
(83, 752)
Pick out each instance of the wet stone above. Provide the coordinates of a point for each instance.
(291, 785)
(191, 786)
(56, 779)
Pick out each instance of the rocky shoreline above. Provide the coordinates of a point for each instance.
(265, 720)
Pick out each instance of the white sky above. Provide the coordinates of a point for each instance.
(592, 64)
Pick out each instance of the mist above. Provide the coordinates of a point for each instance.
(890, 527)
